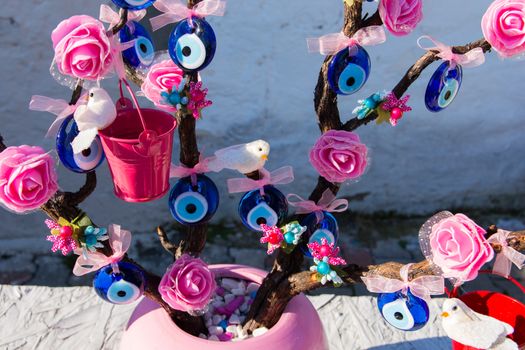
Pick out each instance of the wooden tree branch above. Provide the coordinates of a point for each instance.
(165, 241)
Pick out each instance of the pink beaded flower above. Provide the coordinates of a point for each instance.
(273, 236)
(320, 251)
(61, 237)
(396, 107)
(197, 100)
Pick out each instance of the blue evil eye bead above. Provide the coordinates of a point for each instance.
(83, 162)
(348, 70)
(443, 87)
(194, 204)
(319, 225)
(123, 287)
(143, 52)
(256, 209)
(133, 4)
(192, 44)
(404, 312)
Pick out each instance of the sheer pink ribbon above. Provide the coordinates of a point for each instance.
(281, 176)
(58, 107)
(330, 44)
(328, 203)
(87, 262)
(183, 171)
(472, 58)
(176, 10)
(109, 16)
(422, 287)
(508, 255)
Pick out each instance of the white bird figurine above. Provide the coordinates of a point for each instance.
(245, 158)
(97, 114)
(470, 328)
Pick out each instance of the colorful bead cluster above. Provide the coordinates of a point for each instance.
(396, 107)
(92, 238)
(286, 237)
(62, 237)
(325, 258)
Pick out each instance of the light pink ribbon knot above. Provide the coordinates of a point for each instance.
(281, 176)
(472, 58)
(328, 203)
(180, 171)
(422, 287)
(330, 44)
(87, 261)
(58, 107)
(507, 256)
(176, 10)
(107, 15)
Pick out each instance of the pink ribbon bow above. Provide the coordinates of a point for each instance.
(109, 16)
(183, 171)
(281, 176)
(176, 10)
(422, 287)
(328, 203)
(330, 44)
(58, 107)
(472, 58)
(508, 255)
(87, 262)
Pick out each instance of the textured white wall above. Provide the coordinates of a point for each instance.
(261, 82)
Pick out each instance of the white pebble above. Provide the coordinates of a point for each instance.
(237, 312)
(229, 284)
(213, 337)
(234, 319)
(232, 329)
(203, 336)
(217, 304)
(240, 333)
(244, 307)
(208, 322)
(242, 318)
(259, 331)
(228, 298)
(252, 287)
(217, 319)
(238, 291)
(214, 330)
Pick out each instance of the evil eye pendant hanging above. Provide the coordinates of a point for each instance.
(348, 70)
(194, 204)
(143, 52)
(133, 4)
(443, 87)
(404, 312)
(122, 287)
(319, 225)
(256, 209)
(83, 162)
(192, 44)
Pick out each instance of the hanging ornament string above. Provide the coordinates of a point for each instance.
(61, 108)
(422, 287)
(111, 17)
(119, 241)
(281, 176)
(330, 44)
(201, 167)
(328, 202)
(507, 256)
(175, 11)
(472, 58)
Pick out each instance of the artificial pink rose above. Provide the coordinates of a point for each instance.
(400, 17)
(459, 247)
(188, 284)
(27, 178)
(339, 155)
(503, 26)
(82, 48)
(163, 77)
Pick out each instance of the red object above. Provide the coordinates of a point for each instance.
(396, 113)
(499, 306)
(66, 231)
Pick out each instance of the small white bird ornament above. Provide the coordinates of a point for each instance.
(97, 114)
(245, 158)
(470, 328)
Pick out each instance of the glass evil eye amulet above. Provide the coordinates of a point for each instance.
(83, 162)
(122, 287)
(133, 4)
(143, 52)
(192, 44)
(269, 208)
(348, 70)
(319, 225)
(193, 204)
(404, 312)
(443, 86)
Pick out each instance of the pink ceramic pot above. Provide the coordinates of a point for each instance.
(151, 328)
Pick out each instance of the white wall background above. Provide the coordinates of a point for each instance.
(261, 82)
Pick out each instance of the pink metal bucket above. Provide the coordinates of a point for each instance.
(139, 165)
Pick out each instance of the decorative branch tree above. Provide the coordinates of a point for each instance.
(286, 278)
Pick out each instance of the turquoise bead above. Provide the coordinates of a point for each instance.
(323, 268)
(370, 103)
(91, 240)
(289, 237)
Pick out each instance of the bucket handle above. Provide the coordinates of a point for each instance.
(454, 292)
(135, 102)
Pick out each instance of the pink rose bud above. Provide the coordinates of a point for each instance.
(164, 76)
(401, 17)
(503, 26)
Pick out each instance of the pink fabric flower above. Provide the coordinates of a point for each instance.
(459, 247)
(162, 77)
(339, 155)
(82, 48)
(325, 250)
(188, 284)
(28, 178)
(401, 17)
(503, 26)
